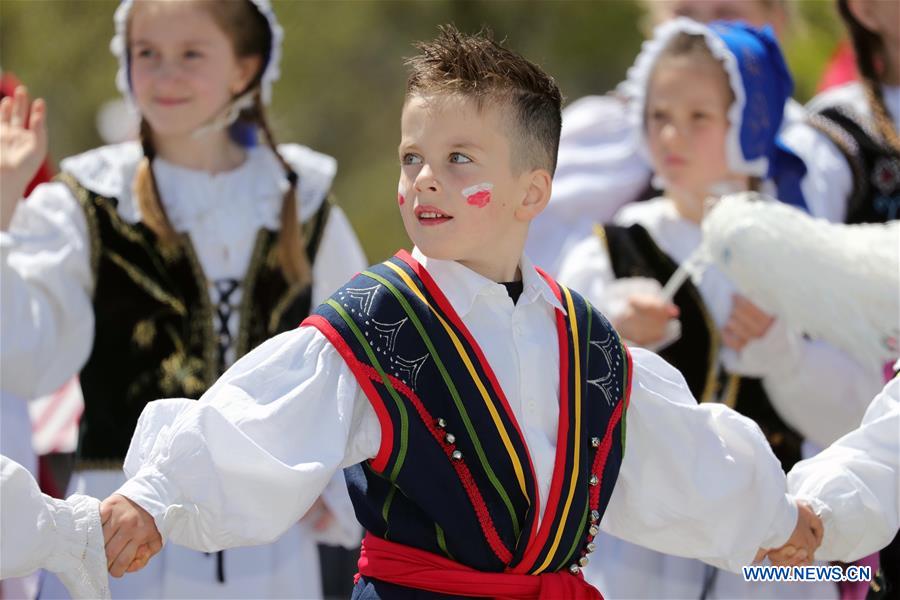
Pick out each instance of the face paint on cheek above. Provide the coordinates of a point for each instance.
(478, 195)
(401, 194)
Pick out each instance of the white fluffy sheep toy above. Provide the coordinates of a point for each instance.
(840, 283)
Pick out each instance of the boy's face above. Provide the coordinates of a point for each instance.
(458, 195)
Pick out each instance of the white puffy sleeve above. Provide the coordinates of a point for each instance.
(243, 463)
(817, 388)
(853, 484)
(600, 166)
(588, 269)
(40, 532)
(339, 258)
(696, 480)
(599, 170)
(45, 300)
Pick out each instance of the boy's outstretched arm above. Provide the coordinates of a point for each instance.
(697, 480)
(242, 464)
(854, 484)
(41, 532)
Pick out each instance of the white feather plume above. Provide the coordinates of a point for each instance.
(840, 283)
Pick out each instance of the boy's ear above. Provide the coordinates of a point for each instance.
(537, 194)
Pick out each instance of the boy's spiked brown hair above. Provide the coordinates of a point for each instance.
(480, 68)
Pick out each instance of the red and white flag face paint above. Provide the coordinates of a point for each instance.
(478, 195)
(401, 194)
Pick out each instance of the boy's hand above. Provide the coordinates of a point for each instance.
(23, 147)
(129, 533)
(645, 319)
(801, 546)
(745, 324)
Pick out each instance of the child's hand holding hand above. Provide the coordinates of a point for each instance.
(130, 535)
(319, 515)
(23, 146)
(645, 318)
(745, 324)
(801, 546)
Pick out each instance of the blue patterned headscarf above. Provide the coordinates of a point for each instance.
(762, 85)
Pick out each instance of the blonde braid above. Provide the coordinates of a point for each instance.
(291, 247)
(867, 45)
(146, 192)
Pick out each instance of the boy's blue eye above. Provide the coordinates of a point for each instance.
(411, 159)
(456, 157)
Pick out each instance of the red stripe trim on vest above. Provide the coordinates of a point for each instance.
(379, 463)
(536, 544)
(605, 446)
(462, 470)
(445, 306)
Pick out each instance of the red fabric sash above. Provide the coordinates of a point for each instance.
(410, 567)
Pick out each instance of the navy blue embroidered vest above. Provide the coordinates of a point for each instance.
(453, 475)
(633, 253)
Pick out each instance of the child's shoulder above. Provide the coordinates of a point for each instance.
(649, 213)
(590, 117)
(311, 163)
(849, 96)
(316, 172)
(107, 171)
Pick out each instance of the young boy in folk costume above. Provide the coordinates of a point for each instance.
(479, 407)
(150, 268)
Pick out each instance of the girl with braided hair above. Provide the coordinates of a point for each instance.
(858, 157)
(149, 268)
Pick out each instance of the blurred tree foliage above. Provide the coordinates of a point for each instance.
(343, 76)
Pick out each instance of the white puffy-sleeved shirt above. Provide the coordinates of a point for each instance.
(600, 168)
(251, 456)
(45, 258)
(816, 388)
(853, 484)
(40, 532)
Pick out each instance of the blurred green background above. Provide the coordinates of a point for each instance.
(342, 72)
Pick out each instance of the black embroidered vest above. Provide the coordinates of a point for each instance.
(154, 331)
(874, 163)
(633, 253)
